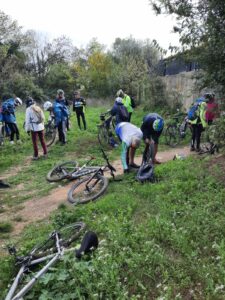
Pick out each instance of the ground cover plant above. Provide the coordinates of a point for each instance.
(157, 241)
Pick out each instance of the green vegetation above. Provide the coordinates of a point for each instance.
(156, 240)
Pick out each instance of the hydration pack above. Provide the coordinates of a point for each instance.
(123, 113)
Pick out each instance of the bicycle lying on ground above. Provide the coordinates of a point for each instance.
(106, 130)
(87, 189)
(177, 130)
(92, 187)
(51, 250)
(207, 145)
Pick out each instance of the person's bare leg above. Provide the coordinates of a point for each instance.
(131, 155)
(155, 152)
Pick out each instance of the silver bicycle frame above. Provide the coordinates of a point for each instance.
(54, 257)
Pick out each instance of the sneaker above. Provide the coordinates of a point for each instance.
(134, 166)
(192, 149)
(12, 142)
(35, 158)
(198, 149)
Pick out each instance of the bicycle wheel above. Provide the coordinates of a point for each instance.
(50, 134)
(67, 234)
(172, 135)
(2, 133)
(62, 171)
(103, 136)
(80, 193)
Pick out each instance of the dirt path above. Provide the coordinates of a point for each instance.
(40, 208)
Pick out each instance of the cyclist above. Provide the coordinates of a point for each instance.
(9, 117)
(119, 111)
(35, 124)
(212, 110)
(79, 104)
(126, 102)
(152, 127)
(131, 136)
(199, 123)
(61, 115)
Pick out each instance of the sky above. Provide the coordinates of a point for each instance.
(82, 20)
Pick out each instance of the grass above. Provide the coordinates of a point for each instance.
(162, 240)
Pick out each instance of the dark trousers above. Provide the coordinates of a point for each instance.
(81, 114)
(130, 116)
(196, 135)
(35, 135)
(62, 131)
(14, 131)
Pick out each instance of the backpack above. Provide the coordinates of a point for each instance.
(123, 113)
(39, 114)
(6, 108)
(193, 112)
(133, 105)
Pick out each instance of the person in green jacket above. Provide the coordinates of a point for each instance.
(199, 124)
(126, 102)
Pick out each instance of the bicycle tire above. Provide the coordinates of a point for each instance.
(103, 136)
(78, 194)
(62, 171)
(172, 136)
(68, 234)
(50, 134)
(2, 133)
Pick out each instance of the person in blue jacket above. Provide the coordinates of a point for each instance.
(61, 115)
(119, 111)
(9, 117)
(152, 127)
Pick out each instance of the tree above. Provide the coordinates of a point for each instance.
(200, 25)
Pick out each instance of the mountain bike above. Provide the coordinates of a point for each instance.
(176, 131)
(50, 131)
(208, 146)
(92, 187)
(50, 250)
(4, 133)
(106, 130)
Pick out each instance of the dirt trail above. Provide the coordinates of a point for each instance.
(40, 208)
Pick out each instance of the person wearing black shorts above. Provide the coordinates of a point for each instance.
(152, 127)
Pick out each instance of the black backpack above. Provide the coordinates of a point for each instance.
(133, 105)
(146, 170)
(123, 113)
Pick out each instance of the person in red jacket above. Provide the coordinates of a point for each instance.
(212, 109)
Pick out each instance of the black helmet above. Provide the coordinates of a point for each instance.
(29, 101)
(145, 172)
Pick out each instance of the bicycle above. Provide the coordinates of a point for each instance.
(92, 187)
(176, 130)
(207, 145)
(50, 250)
(106, 129)
(50, 131)
(70, 170)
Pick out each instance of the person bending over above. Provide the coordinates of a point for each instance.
(152, 127)
(131, 136)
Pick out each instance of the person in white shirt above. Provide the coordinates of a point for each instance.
(131, 136)
(34, 124)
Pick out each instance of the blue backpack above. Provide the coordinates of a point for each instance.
(193, 112)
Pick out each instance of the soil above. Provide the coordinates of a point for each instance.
(40, 208)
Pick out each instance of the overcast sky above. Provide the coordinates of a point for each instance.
(82, 20)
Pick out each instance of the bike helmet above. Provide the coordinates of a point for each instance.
(145, 172)
(29, 101)
(60, 92)
(119, 100)
(18, 101)
(120, 93)
(158, 124)
(47, 105)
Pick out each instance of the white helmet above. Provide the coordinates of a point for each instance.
(18, 101)
(47, 105)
